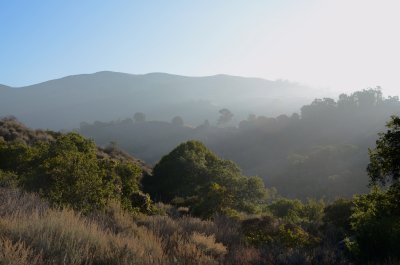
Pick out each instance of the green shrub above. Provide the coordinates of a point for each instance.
(68, 172)
(376, 223)
(291, 210)
(8, 180)
(337, 214)
(193, 176)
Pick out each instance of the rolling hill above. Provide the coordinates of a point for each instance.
(64, 103)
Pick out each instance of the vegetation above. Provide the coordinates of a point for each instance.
(66, 169)
(191, 175)
(66, 201)
(322, 151)
(376, 216)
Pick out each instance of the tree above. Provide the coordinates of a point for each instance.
(376, 223)
(139, 117)
(376, 216)
(368, 97)
(191, 175)
(67, 173)
(177, 121)
(226, 116)
(384, 163)
(337, 216)
(67, 169)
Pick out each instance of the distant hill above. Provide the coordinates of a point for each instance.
(64, 103)
(3, 88)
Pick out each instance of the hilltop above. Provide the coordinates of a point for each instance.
(64, 103)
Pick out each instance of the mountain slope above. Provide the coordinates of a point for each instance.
(65, 102)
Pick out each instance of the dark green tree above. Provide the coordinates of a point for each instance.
(193, 176)
(66, 171)
(384, 163)
(376, 216)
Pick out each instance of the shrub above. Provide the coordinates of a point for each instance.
(8, 180)
(288, 209)
(337, 216)
(376, 223)
(193, 176)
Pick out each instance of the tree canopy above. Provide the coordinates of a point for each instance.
(193, 176)
(68, 170)
(384, 163)
(376, 216)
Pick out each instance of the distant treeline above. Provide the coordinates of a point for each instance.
(321, 152)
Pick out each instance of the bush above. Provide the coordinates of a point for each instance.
(193, 176)
(337, 217)
(8, 180)
(376, 223)
(68, 172)
(287, 209)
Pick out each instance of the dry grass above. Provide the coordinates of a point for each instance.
(208, 245)
(65, 237)
(186, 240)
(17, 254)
(33, 233)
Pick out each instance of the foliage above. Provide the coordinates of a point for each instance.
(226, 116)
(69, 170)
(294, 211)
(376, 216)
(192, 175)
(33, 233)
(322, 151)
(288, 209)
(8, 179)
(376, 222)
(270, 231)
(384, 163)
(141, 202)
(338, 214)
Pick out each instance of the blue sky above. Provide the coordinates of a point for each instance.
(339, 44)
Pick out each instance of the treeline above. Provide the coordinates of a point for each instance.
(321, 152)
(125, 214)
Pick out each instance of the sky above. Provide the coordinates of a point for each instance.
(342, 45)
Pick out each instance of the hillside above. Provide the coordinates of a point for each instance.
(323, 152)
(11, 130)
(64, 103)
(63, 202)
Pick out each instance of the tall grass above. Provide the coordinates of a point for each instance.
(32, 233)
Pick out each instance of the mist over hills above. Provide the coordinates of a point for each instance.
(320, 152)
(64, 103)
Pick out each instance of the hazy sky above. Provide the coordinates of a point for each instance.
(341, 44)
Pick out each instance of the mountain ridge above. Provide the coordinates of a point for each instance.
(152, 74)
(65, 102)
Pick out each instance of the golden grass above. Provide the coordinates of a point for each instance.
(33, 233)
